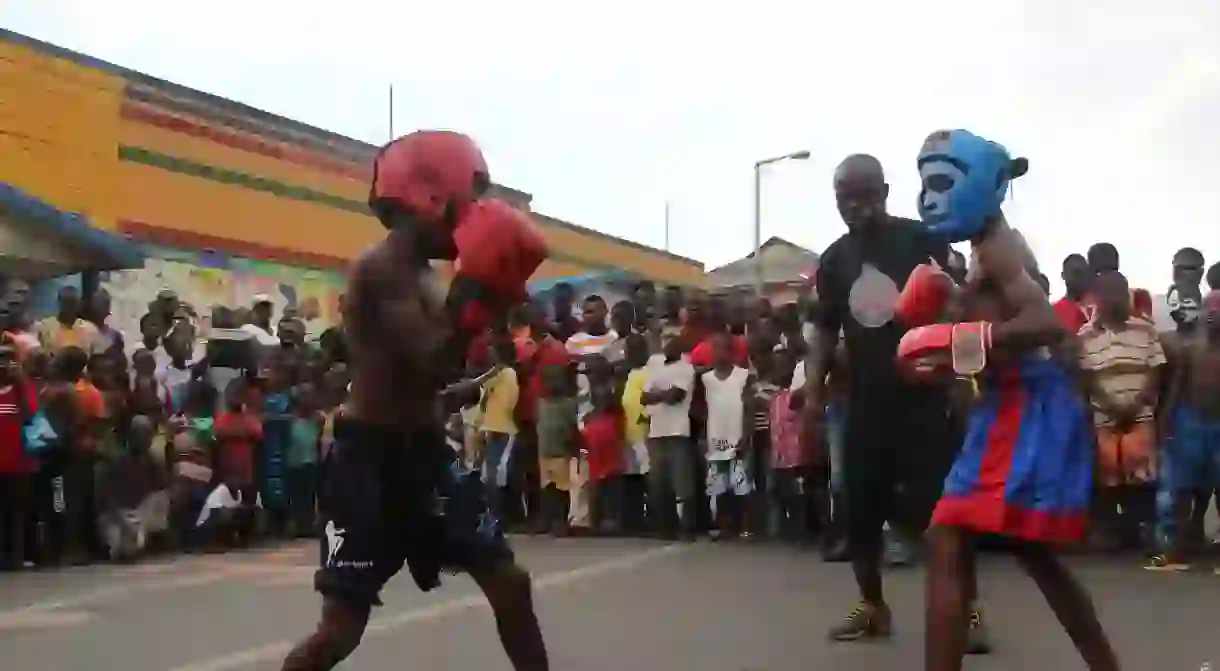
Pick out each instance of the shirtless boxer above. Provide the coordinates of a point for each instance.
(387, 491)
(1024, 471)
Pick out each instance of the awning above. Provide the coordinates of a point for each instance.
(43, 241)
(581, 283)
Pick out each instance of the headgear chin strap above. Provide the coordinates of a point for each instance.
(964, 180)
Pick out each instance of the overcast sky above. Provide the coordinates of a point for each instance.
(604, 116)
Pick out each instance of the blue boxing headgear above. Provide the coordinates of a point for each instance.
(964, 182)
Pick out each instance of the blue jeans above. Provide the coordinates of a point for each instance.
(836, 431)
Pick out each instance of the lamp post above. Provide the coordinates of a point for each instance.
(758, 166)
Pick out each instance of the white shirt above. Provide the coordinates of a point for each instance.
(725, 412)
(671, 419)
(584, 344)
(798, 377)
(260, 334)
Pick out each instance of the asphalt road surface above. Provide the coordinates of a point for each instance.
(605, 604)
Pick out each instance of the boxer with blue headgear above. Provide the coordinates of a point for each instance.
(1024, 471)
(965, 179)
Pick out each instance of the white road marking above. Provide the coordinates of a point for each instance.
(200, 570)
(379, 625)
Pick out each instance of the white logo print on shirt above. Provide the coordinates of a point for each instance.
(334, 541)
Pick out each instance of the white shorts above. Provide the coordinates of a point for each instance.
(733, 476)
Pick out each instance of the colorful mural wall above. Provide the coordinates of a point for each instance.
(207, 279)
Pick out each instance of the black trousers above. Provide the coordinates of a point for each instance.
(896, 458)
(15, 498)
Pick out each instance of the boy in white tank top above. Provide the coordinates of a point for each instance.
(730, 477)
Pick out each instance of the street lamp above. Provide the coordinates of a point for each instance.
(758, 165)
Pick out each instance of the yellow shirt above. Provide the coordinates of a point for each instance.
(500, 403)
(634, 412)
(54, 336)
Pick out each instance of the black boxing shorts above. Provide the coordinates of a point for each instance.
(388, 498)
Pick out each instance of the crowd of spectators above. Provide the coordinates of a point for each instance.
(673, 413)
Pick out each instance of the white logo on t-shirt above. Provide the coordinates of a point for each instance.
(872, 296)
(334, 541)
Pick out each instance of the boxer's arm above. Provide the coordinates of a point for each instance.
(1003, 258)
(821, 357)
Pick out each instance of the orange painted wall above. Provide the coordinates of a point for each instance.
(171, 200)
(200, 150)
(59, 131)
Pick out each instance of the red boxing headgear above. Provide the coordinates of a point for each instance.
(432, 175)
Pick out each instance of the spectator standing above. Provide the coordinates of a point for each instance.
(558, 441)
(791, 460)
(1103, 257)
(1077, 278)
(17, 403)
(635, 432)
(1191, 458)
(671, 457)
(238, 433)
(1122, 357)
(86, 418)
(603, 439)
(730, 479)
(66, 328)
(589, 343)
(302, 458)
(109, 340)
(499, 426)
(564, 323)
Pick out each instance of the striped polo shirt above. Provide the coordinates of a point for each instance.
(1122, 359)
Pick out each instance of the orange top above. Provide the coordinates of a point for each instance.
(92, 407)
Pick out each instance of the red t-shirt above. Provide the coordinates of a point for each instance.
(238, 434)
(12, 451)
(604, 437)
(1071, 314)
(738, 347)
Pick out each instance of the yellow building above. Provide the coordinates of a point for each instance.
(228, 201)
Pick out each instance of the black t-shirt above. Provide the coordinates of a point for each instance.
(858, 282)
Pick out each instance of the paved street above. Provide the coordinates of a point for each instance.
(605, 604)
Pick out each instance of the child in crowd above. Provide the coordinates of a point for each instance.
(135, 500)
(302, 458)
(635, 432)
(499, 425)
(17, 405)
(274, 387)
(603, 438)
(791, 463)
(557, 445)
(175, 376)
(729, 477)
(596, 371)
(1122, 359)
(763, 390)
(239, 432)
(1190, 462)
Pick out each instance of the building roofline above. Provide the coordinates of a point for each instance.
(548, 220)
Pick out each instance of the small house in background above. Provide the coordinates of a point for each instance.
(787, 272)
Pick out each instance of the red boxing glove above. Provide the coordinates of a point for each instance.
(939, 349)
(925, 296)
(498, 248)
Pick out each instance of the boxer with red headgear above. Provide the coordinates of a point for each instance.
(391, 493)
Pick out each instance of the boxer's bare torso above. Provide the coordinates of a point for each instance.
(398, 328)
(1003, 258)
